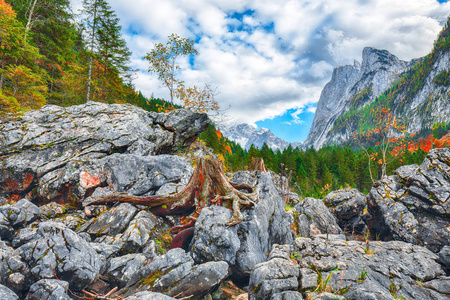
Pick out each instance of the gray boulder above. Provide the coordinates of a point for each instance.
(201, 280)
(312, 218)
(51, 289)
(21, 213)
(175, 274)
(349, 206)
(147, 295)
(121, 268)
(377, 270)
(14, 272)
(272, 279)
(412, 205)
(246, 244)
(6, 293)
(58, 250)
(112, 222)
(53, 153)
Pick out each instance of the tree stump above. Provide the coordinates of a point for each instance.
(257, 164)
(208, 185)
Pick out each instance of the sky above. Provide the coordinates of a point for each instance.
(270, 59)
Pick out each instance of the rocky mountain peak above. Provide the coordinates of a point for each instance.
(246, 135)
(377, 71)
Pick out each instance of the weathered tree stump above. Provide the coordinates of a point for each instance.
(257, 164)
(207, 185)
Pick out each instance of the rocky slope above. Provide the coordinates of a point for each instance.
(378, 70)
(416, 92)
(246, 135)
(320, 249)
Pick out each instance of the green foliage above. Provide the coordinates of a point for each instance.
(443, 78)
(399, 96)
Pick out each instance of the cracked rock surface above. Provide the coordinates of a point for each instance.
(414, 204)
(55, 249)
(56, 153)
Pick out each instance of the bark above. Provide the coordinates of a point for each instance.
(257, 164)
(29, 19)
(208, 185)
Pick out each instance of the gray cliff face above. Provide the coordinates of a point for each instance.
(246, 135)
(378, 70)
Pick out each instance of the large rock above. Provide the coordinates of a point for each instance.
(14, 272)
(49, 289)
(312, 217)
(377, 270)
(54, 153)
(111, 222)
(275, 278)
(413, 205)
(175, 274)
(349, 206)
(21, 213)
(6, 293)
(57, 250)
(244, 245)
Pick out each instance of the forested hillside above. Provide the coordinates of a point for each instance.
(418, 98)
(46, 56)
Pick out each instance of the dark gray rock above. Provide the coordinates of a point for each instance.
(147, 295)
(58, 249)
(413, 206)
(11, 263)
(377, 270)
(312, 217)
(21, 213)
(444, 257)
(112, 222)
(121, 268)
(269, 280)
(6, 229)
(162, 272)
(51, 289)
(201, 280)
(139, 232)
(7, 294)
(175, 274)
(17, 282)
(348, 206)
(244, 245)
(53, 153)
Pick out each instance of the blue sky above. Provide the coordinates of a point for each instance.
(270, 59)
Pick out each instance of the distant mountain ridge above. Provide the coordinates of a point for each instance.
(246, 135)
(416, 92)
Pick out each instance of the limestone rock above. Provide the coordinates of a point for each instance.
(246, 244)
(377, 270)
(348, 206)
(60, 154)
(56, 248)
(413, 205)
(312, 217)
(274, 277)
(49, 289)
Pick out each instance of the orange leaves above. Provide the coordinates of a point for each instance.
(201, 101)
(219, 134)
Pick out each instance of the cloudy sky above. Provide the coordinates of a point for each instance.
(270, 59)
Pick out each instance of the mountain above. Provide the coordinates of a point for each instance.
(416, 92)
(246, 135)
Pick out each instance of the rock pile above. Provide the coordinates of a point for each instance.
(321, 249)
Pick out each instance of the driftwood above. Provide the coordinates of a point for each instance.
(208, 185)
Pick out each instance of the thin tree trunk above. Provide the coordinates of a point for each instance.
(92, 50)
(29, 19)
(2, 76)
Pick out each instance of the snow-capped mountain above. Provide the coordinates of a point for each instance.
(246, 135)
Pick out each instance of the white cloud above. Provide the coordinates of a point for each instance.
(285, 51)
